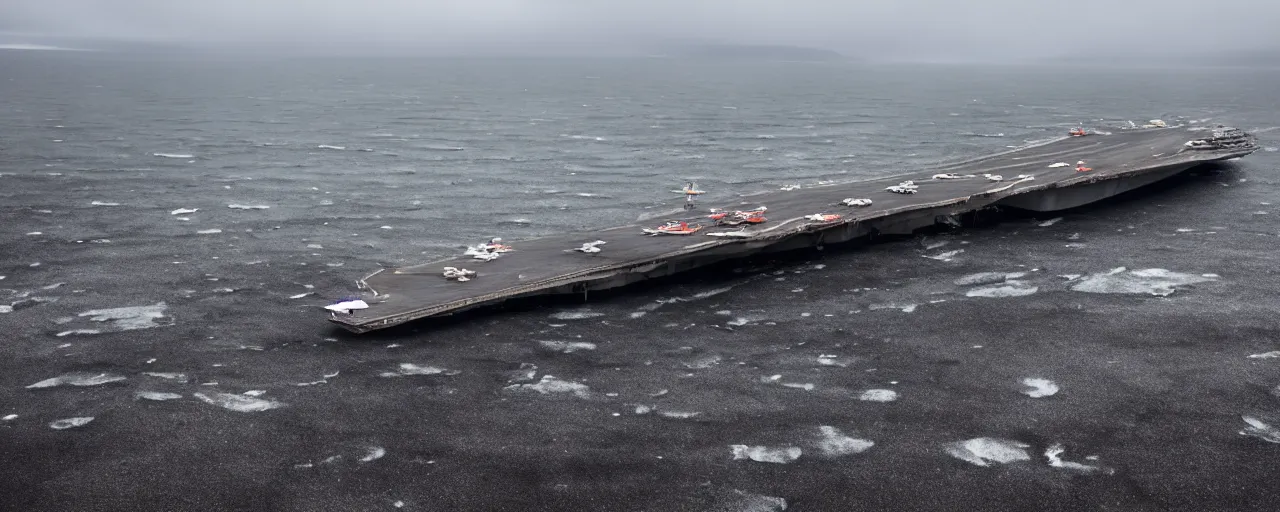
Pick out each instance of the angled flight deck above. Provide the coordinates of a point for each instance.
(1119, 162)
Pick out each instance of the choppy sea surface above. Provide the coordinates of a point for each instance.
(169, 229)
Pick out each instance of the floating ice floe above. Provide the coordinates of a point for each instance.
(239, 403)
(1054, 454)
(575, 315)
(946, 256)
(1039, 387)
(67, 423)
(836, 444)
(184, 211)
(1256, 428)
(407, 369)
(830, 360)
(741, 501)
(983, 450)
(9, 417)
(173, 155)
(905, 308)
(982, 278)
(104, 203)
(248, 206)
(78, 379)
(856, 202)
(156, 396)
(567, 347)
(878, 395)
(347, 306)
(457, 274)
(178, 377)
(1152, 281)
(327, 146)
(552, 385)
(765, 454)
(75, 332)
(213, 231)
(373, 453)
(130, 318)
(1266, 355)
(590, 247)
(1010, 289)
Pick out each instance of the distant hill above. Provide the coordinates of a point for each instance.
(1262, 57)
(752, 52)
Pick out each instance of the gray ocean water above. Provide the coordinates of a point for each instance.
(868, 379)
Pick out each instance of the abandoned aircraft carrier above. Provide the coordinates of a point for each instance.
(1062, 174)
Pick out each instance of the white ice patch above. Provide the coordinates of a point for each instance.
(742, 501)
(765, 454)
(1153, 281)
(988, 278)
(213, 231)
(1256, 428)
(248, 206)
(1011, 289)
(980, 450)
(67, 423)
(704, 362)
(878, 395)
(179, 377)
(1266, 355)
(946, 256)
(406, 369)
(327, 146)
(239, 403)
(567, 347)
(78, 379)
(104, 203)
(78, 332)
(373, 453)
(905, 308)
(836, 444)
(156, 395)
(678, 415)
(9, 417)
(549, 385)
(826, 360)
(130, 318)
(575, 315)
(184, 211)
(1039, 387)
(1054, 454)
(173, 155)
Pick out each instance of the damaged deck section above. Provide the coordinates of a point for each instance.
(1120, 162)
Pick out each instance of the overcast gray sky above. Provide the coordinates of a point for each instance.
(920, 28)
